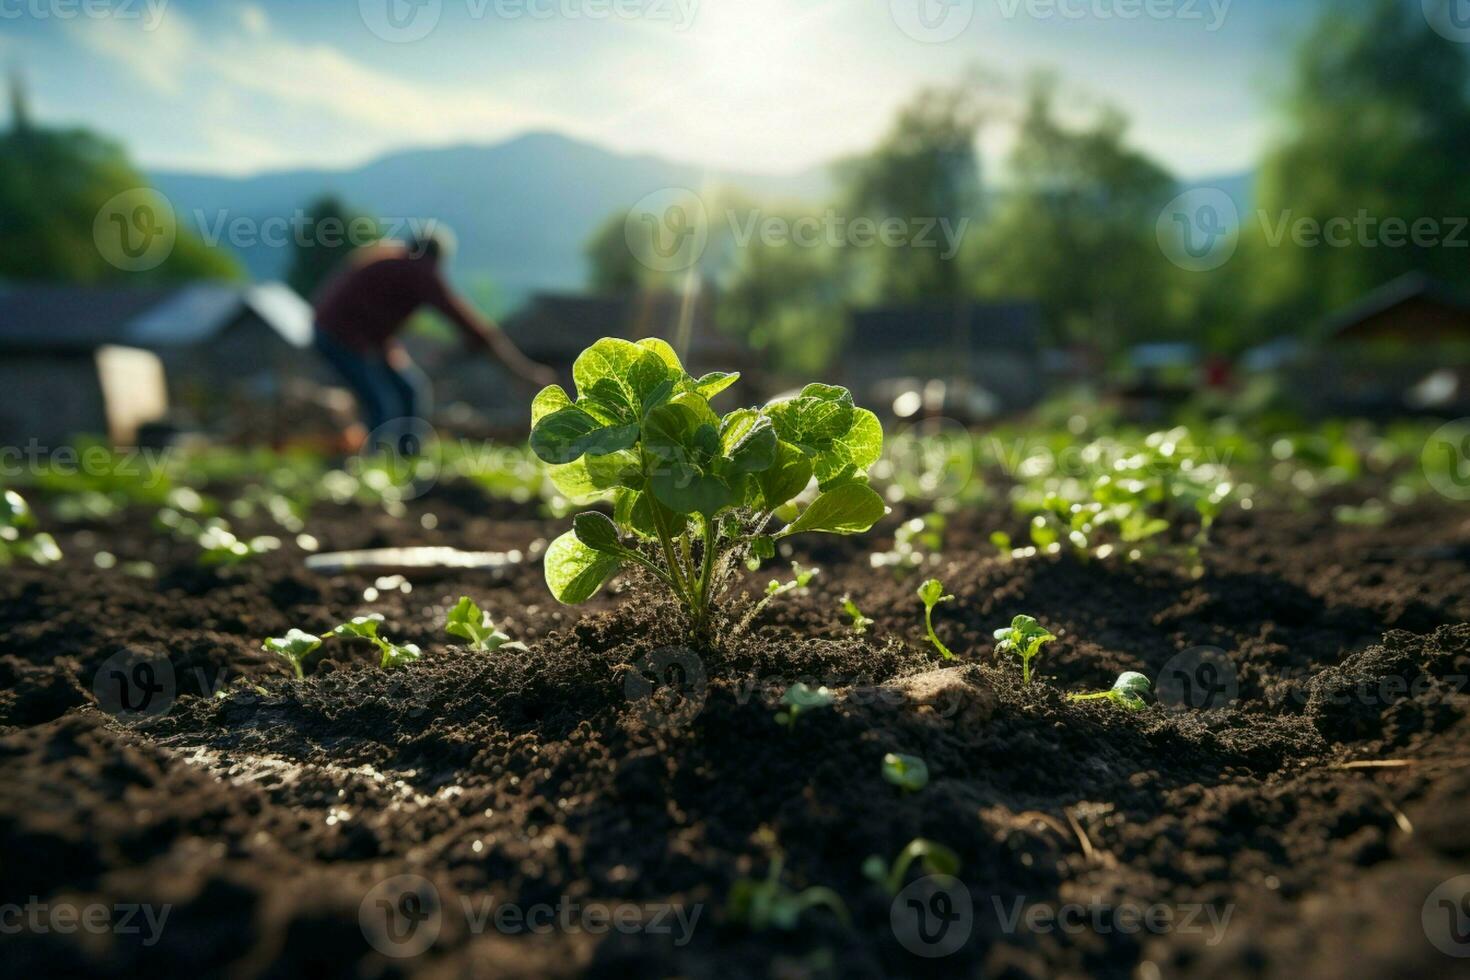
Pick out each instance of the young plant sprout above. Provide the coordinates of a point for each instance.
(800, 697)
(800, 579)
(468, 622)
(860, 623)
(1024, 637)
(908, 772)
(935, 859)
(763, 904)
(1001, 541)
(296, 644)
(219, 546)
(692, 491)
(1127, 692)
(15, 518)
(932, 594)
(294, 647)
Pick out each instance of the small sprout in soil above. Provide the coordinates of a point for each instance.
(801, 578)
(16, 517)
(907, 772)
(1127, 692)
(693, 492)
(219, 546)
(1024, 637)
(294, 647)
(860, 623)
(932, 594)
(916, 542)
(798, 698)
(1001, 541)
(762, 904)
(468, 622)
(935, 859)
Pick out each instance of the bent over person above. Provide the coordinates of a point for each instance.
(365, 303)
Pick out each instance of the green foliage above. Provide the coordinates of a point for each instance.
(768, 903)
(1128, 692)
(860, 623)
(931, 594)
(17, 537)
(800, 698)
(682, 477)
(908, 772)
(1025, 638)
(935, 859)
(468, 622)
(53, 186)
(917, 541)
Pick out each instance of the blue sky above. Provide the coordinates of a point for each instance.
(758, 85)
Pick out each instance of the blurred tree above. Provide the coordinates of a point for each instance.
(926, 169)
(612, 267)
(333, 229)
(54, 184)
(1377, 129)
(1075, 230)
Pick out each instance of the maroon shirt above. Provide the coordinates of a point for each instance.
(369, 299)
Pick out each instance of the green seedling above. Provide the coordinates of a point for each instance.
(17, 540)
(219, 546)
(935, 859)
(294, 647)
(1127, 692)
(468, 622)
(916, 541)
(932, 594)
(860, 623)
(799, 698)
(1024, 637)
(761, 904)
(801, 578)
(907, 772)
(1001, 541)
(693, 492)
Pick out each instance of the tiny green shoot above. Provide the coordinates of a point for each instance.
(1024, 637)
(468, 622)
(16, 516)
(1127, 692)
(932, 594)
(761, 904)
(800, 697)
(860, 623)
(294, 647)
(935, 859)
(908, 772)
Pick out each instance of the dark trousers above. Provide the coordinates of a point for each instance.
(395, 401)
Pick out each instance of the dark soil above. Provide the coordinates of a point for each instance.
(1228, 839)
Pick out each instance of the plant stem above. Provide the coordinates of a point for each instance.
(706, 575)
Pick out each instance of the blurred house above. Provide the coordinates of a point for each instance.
(80, 359)
(967, 361)
(554, 328)
(1403, 346)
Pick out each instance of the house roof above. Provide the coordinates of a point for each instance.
(1447, 306)
(982, 326)
(558, 326)
(64, 317)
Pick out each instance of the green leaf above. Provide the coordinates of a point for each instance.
(855, 450)
(632, 370)
(932, 593)
(712, 384)
(849, 509)
(748, 440)
(907, 772)
(597, 532)
(399, 655)
(294, 647)
(568, 433)
(787, 476)
(548, 400)
(469, 622)
(359, 627)
(574, 572)
(665, 353)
